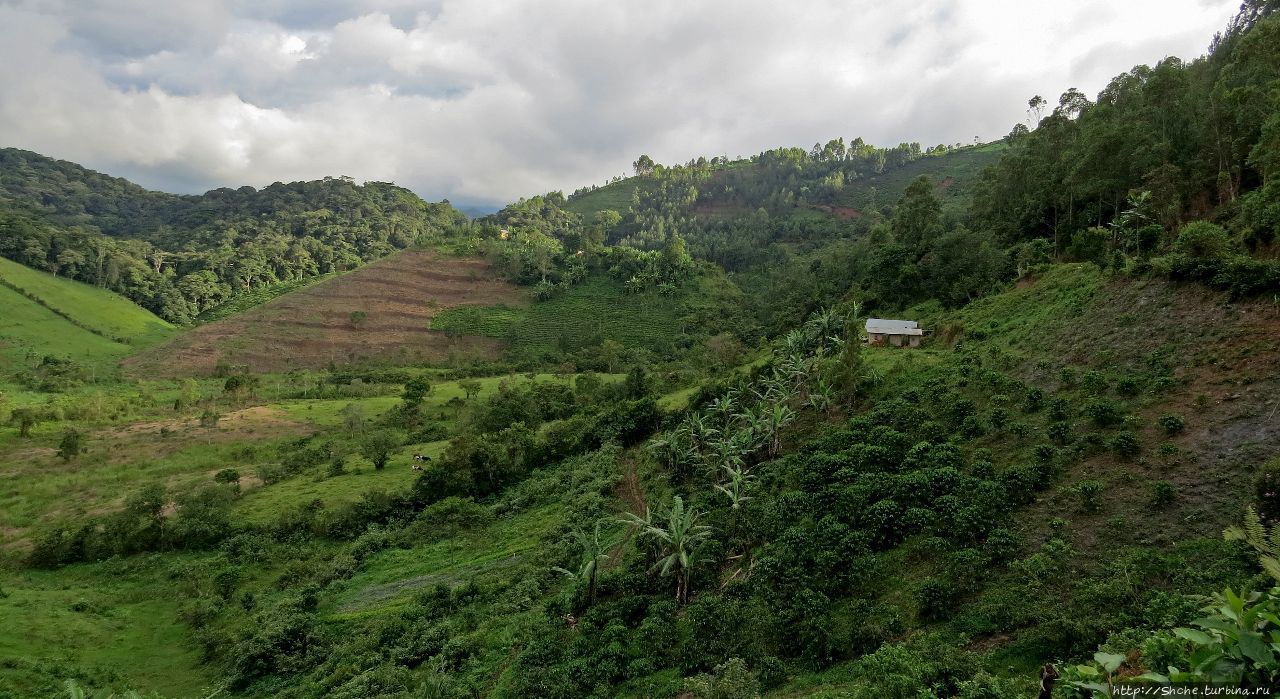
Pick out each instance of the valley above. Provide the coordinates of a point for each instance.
(329, 439)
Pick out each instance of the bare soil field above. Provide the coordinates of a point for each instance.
(314, 327)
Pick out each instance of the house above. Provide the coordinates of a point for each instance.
(898, 333)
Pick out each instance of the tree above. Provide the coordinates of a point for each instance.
(25, 419)
(71, 445)
(679, 537)
(643, 165)
(593, 550)
(1035, 108)
(470, 387)
(918, 220)
(353, 419)
(415, 390)
(377, 447)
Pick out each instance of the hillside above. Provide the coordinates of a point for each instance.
(315, 326)
(181, 256)
(48, 315)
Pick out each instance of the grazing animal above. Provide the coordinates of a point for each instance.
(420, 457)
(417, 467)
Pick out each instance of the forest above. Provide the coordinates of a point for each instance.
(678, 468)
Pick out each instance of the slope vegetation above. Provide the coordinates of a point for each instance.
(380, 312)
(48, 315)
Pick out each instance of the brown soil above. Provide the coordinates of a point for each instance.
(1224, 357)
(631, 493)
(312, 328)
(839, 211)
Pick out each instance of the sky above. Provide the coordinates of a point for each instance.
(485, 101)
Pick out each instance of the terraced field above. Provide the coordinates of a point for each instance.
(322, 324)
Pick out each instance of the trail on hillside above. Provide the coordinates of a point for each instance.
(631, 492)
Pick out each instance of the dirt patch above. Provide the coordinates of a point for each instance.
(846, 212)
(314, 327)
(947, 183)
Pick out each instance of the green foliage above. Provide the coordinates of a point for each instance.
(378, 445)
(1201, 239)
(71, 445)
(1163, 493)
(731, 680)
(1171, 424)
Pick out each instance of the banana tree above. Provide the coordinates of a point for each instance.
(594, 550)
(679, 537)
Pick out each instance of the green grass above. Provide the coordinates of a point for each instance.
(615, 196)
(90, 307)
(100, 623)
(581, 316)
(393, 576)
(29, 331)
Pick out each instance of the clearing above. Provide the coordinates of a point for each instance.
(321, 324)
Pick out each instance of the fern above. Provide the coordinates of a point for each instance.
(1264, 540)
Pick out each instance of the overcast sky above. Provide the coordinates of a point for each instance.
(484, 101)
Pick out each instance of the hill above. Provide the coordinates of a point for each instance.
(179, 256)
(320, 324)
(52, 316)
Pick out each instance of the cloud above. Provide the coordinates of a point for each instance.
(483, 101)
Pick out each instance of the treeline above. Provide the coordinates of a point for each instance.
(184, 255)
(1159, 147)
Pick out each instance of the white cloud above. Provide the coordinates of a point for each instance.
(484, 100)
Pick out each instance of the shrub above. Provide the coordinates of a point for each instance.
(1125, 445)
(1103, 412)
(1033, 401)
(731, 680)
(1127, 387)
(1267, 486)
(209, 418)
(1171, 424)
(1202, 240)
(1163, 493)
(227, 475)
(1089, 494)
(1060, 431)
(933, 599)
(71, 445)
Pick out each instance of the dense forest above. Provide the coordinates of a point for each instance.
(749, 499)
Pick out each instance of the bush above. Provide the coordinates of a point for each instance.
(227, 475)
(1033, 401)
(1267, 486)
(1103, 412)
(1202, 240)
(933, 599)
(1163, 493)
(1125, 445)
(1171, 424)
(731, 680)
(1089, 494)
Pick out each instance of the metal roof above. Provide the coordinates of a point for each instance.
(882, 326)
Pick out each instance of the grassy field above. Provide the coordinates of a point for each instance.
(90, 326)
(108, 624)
(98, 310)
(29, 331)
